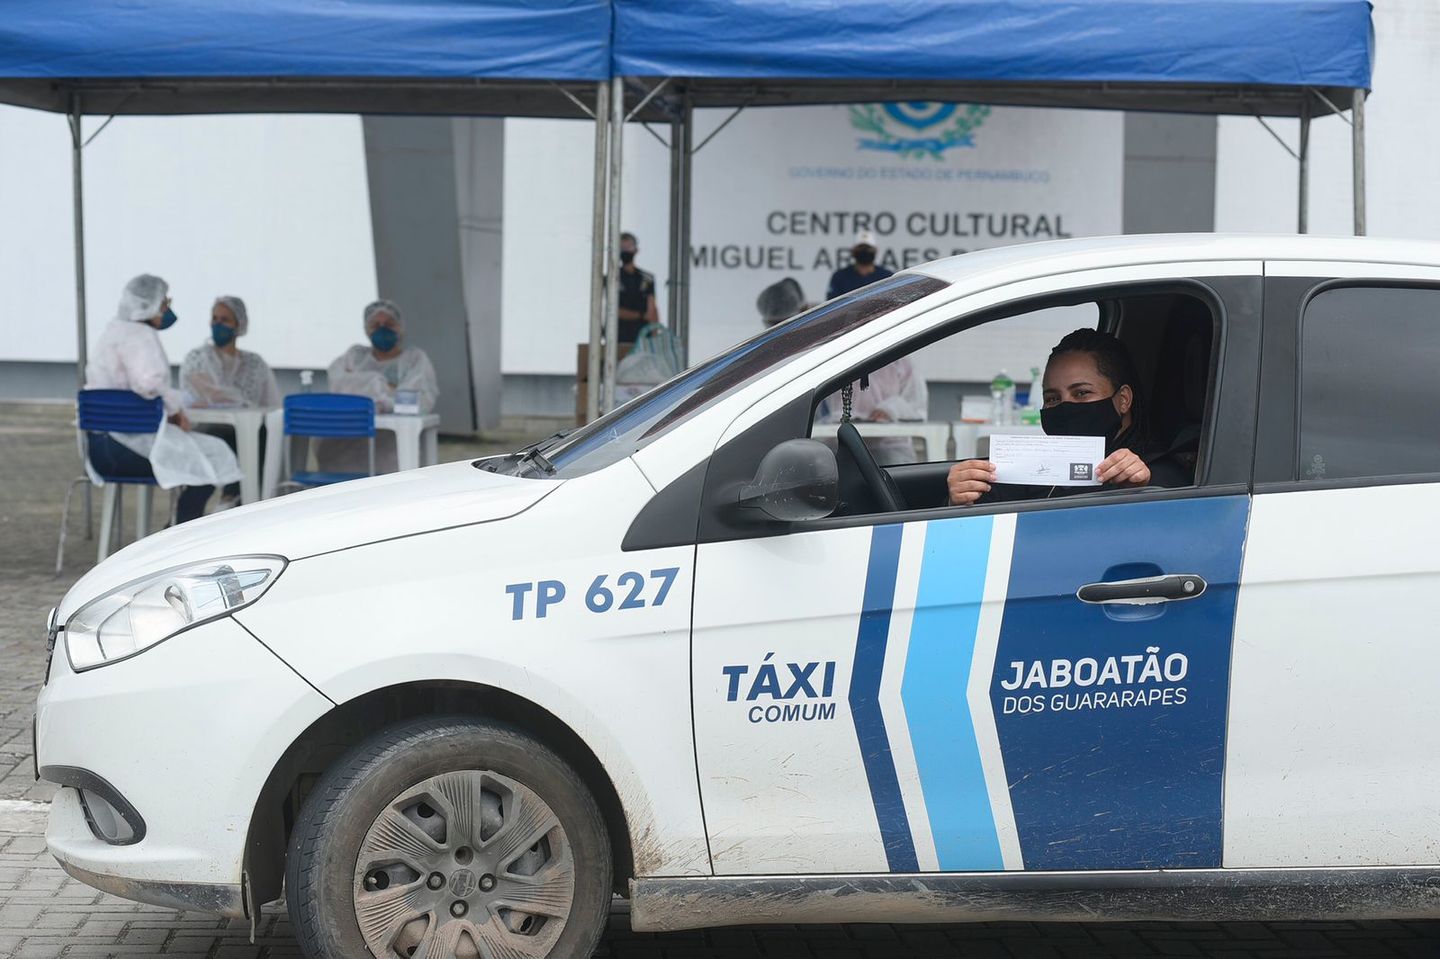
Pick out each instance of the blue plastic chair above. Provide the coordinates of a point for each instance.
(328, 416)
(112, 411)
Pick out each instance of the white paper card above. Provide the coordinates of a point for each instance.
(1034, 460)
(976, 409)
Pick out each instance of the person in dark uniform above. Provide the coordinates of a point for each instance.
(637, 292)
(1090, 383)
(862, 272)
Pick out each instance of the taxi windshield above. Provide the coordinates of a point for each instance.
(628, 428)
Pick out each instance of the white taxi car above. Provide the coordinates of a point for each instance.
(692, 654)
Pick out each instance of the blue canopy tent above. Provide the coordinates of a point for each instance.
(1228, 56)
(165, 57)
(657, 61)
(1294, 58)
(454, 57)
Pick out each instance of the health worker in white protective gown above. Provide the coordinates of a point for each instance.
(217, 373)
(895, 392)
(378, 369)
(892, 394)
(129, 357)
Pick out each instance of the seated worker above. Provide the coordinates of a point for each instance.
(218, 373)
(129, 356)
(378, 370)
(384, 365)
(1089, 384)
(893, 393)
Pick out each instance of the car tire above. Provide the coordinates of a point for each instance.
(395, 846)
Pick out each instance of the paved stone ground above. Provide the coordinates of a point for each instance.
(46, 915)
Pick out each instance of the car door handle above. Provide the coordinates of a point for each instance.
(1143, 592)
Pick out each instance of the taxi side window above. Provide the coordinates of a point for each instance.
(908, 410)
(1368, 357)
(916, 420)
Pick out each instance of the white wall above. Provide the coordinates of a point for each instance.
(1257, 180)
(274, 209)
(549, 187)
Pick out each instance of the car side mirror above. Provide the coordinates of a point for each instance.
(797, 480)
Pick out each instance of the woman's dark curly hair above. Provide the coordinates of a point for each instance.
(1113, 361)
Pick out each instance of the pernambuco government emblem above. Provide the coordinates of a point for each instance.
(917, 129)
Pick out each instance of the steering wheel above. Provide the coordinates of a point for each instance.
(881, 483)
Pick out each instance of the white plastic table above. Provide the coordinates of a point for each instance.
(246, 421)
(417, 442)
(417, 438)
(936, 436)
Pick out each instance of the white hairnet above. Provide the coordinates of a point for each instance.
(383, 306)
(780, 301)
(237, 306)
(142, 298)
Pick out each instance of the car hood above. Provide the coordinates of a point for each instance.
(323, 520)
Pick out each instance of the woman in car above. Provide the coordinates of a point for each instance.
(1090, 387)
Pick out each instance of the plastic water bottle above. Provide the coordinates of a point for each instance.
(1002, 398)
(1030, 415)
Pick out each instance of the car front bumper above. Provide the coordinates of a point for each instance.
(67, 822)
(186, 735)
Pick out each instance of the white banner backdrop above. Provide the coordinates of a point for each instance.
(273, 209)
(782, 192)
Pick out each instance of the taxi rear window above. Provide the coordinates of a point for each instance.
(620, 433)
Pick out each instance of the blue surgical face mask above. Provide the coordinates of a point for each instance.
(384, 339)
(222, 335)
(167, 319)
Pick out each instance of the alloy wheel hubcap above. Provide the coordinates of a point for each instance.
(467, 864)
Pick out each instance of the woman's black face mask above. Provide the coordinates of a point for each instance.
(1096, 418)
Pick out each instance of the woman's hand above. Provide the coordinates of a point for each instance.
(181, 420)
(1123, 468)
(969, 480)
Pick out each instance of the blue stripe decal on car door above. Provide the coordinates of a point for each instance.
(937, 677)
(865, 700)
(1112, 718)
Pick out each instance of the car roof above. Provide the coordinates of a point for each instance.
(1104, 251)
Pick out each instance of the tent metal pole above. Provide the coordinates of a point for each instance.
(77, 183)
(687, 154)
(672, 299)
(612, 299)
(1357, 145)
(599, 255)
(1303, 203)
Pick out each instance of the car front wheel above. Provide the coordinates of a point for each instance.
(449, 838)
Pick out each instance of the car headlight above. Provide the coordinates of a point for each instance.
(136, 616)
